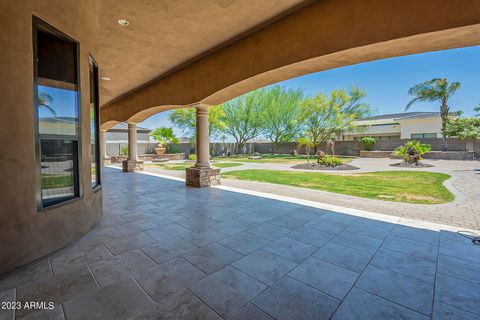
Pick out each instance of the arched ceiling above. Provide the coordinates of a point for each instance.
(319, 36)
(165, 34)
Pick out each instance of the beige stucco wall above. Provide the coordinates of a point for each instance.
(364, 128)
(422, 125)
(25, 234)
(393, 127)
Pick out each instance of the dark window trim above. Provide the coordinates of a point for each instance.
(38, 24)
(60, 204)
(91, 60)
(423, 135)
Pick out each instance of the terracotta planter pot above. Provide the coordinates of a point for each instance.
(160, 150)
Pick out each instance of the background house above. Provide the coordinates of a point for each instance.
(116, 139)
(57, 125)
(119, 133)
(408, 125)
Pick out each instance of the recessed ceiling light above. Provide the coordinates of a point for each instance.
(123, 22)
(106, 78)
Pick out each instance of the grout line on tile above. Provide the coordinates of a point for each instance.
(143, 289)
(95, 279)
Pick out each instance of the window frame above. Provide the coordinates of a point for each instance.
(96, 103)
(423, 135)
(433, 135)
(40, 25)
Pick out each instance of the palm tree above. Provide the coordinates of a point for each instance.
(437, 89)
(477, 110)
(164, 135)
(44, 100)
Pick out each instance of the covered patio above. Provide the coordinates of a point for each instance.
(166, 252)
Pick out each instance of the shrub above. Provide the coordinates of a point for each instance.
(412, 151)
(368, 143)
(172, 148)
(192, 156)
(124, 151)
(330, 161)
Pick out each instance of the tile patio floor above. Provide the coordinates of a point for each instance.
(166, 252)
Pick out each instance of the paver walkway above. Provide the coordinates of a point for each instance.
(462, 212)
(164, 251)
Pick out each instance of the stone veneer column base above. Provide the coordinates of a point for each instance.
(106, 161)
(132, 165)
(202, 177)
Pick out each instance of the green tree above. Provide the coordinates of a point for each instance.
(244, 116)
(281, 114)
(164, 135)
(324, 116)
(44, 100)
(477, 110)
(464, 128)
(185, 119)
(435, 90)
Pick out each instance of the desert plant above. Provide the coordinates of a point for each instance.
(192, 156)
(124, 151)
(164, 135)
(309, 144)
(331, 146)
(412, 151)
(368, 143)
(330, 161)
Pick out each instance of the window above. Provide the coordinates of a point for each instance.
(94, 124)
(388, 137)
(430, 135)
(57, 110)
(378, 138)
(423, 135)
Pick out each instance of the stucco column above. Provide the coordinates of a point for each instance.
(202, 174)
(132, 164)
(132, 141)
(104, 158)
(202, 137)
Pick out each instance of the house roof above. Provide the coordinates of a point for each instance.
(58, 119)
(123, 127)
(404, 115)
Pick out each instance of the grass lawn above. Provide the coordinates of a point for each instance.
(400, 186)
(52, 181)
(278, 158)
(183, 166)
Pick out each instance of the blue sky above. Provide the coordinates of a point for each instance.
(64, 102)
(387, 81)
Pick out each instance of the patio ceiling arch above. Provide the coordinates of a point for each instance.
(323, 35)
